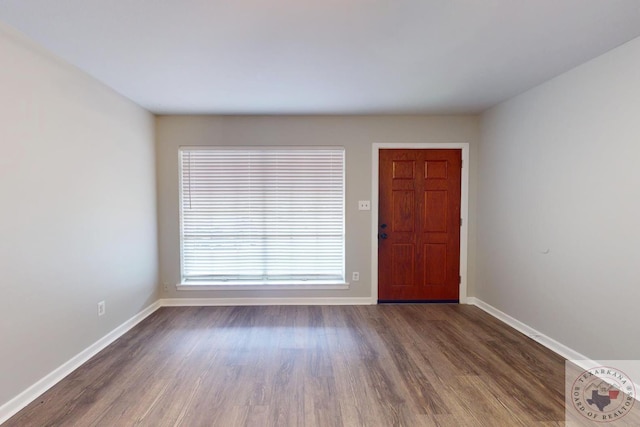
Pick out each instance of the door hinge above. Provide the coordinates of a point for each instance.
(460, 222)
(459, 280)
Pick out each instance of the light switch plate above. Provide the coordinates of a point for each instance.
(364, 205)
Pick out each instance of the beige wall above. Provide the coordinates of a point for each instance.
(355, 133)
(558, 172)
(78, 212)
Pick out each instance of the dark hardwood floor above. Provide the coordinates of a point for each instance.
(386, 365)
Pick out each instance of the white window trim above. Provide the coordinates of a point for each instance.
(261, 286)
(305, 285)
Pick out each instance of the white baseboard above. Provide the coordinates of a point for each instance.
(12, 407)
(568, 353)
(550, 343)
(189, 302)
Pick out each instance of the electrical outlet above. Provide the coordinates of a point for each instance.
(102, 308)
(364, 205)
(165, 286)
(355, 276)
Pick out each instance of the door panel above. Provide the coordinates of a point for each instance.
(435, 263)
(403, 264)
(436, 211)
(419, 212)
(403, 211)
(435, 169)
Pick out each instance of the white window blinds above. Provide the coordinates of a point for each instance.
(260, 214)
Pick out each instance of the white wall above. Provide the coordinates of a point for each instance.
(355, 133)
(558, 170)
(77, 212)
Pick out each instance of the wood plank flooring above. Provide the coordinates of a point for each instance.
(385, 365)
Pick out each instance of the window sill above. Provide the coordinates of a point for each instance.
(310, 285)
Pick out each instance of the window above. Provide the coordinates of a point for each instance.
(262, 215)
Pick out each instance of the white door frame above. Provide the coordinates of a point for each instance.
(464, 207)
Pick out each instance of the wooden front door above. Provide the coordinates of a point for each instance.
(419, 225)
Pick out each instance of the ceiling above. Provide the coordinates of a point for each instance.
(323, 56)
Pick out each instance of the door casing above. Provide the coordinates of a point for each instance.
(464, 207)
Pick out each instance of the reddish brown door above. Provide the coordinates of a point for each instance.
(419, 225)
